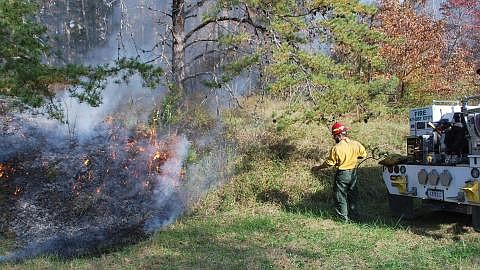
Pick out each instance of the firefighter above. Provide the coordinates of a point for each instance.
(344, 156)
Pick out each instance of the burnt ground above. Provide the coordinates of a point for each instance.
(72, 197)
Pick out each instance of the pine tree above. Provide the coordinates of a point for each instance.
(24, 74)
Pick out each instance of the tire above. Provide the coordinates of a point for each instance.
(401, 206)
(476, 218)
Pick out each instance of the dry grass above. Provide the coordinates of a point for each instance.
(275, 214)
(274, 166)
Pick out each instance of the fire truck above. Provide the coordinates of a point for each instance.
(442, 166)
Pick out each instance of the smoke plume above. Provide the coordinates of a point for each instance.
(109, 176)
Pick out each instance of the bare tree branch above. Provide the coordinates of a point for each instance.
(232, 95)
(160, 11)
(200, 40)
(246, 20)
(153, 59)
(191, 16)
(204, 54)
(193, 76)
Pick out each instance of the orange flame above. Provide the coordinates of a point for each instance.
(3, 170)
(17, 191)
(157, 161)
(160, 156)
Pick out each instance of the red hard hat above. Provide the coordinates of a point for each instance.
(338, 128)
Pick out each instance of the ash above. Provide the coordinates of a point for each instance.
(71, 197)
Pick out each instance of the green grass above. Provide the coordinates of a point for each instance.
(275, 214)
(265, 238)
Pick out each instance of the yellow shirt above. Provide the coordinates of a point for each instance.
(344, 155)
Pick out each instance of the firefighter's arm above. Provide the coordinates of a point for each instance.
(362, 152)
(321, 167)
(329, 162)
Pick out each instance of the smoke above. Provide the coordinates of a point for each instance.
(103, 179)
(167, 184)
(76, 244)
(130, 101)
(136, 33)
(85, 197)
(107, 177)
(82, 197)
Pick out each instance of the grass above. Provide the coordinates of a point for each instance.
(275, 214)
(265, 238)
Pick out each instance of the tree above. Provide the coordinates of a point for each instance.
(201, 31)
(76, 27)
(328, 50)
(285, 41)
(413, 52)
(417, 53)
(462, 18)
(24, 75)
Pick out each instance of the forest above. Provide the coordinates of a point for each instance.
(139, 134)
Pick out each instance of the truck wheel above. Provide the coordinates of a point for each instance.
(476, 218)
(402, 206)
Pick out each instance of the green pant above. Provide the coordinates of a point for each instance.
(346, 194)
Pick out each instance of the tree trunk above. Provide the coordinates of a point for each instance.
(86, 27)
(66, 24)
(178, 48)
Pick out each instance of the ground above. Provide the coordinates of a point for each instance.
(275, 214)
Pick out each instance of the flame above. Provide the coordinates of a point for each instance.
(74, 190)
(86, 162)
(157, 160)
(98, 190)
(3, 170)
(17, 191)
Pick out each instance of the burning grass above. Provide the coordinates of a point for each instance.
(5, 171)
(69, 198)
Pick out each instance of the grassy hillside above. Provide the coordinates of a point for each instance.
(275, 214)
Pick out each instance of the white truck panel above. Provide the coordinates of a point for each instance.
(460, 175)
(419, 117)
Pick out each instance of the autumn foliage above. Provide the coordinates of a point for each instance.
(419, 54)
(462, 19)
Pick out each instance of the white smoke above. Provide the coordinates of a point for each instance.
(175, 186)
(168, 183)
(131, 102)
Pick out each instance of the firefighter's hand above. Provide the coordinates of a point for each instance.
(315, 169)
(318, 168)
